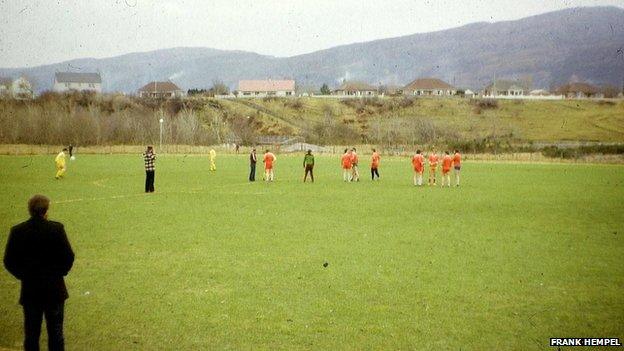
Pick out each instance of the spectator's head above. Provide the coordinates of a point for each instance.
(418, 151)
(64, 149)
(38, 206)
(353, 149)
(149, 148)
(254, 149)
(267, 151)
(456, 151)
(374, 150)
(309, 151)
(446, 152)
(346, 150)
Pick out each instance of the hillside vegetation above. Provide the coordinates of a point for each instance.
(85, 119)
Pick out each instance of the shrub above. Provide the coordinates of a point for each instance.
(485, 104)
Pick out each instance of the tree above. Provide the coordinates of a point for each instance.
(325, 90)
(219, 88)
(609, 91)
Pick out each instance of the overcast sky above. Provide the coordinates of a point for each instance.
(47, 31)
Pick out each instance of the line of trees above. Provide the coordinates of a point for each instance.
(88, 119)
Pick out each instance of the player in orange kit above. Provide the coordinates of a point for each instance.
(447, 162)
(375, 164)
(433, 165)
(457, 166)
(418, 162)
(355, 171)
(269, 160)
(345, 161)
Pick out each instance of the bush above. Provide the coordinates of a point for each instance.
(485, 104)
(575, 152)
(295, 104)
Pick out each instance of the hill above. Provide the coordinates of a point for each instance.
(550, 48)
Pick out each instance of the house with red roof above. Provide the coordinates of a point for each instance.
(429, 87)
(264, 88)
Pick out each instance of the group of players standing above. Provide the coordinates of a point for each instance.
(349, 162)
(350, 171)
(448, 162)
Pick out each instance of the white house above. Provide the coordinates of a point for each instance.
(262, 88)
(506, 88)
(74, 81)
(355, 89)
(429, 87)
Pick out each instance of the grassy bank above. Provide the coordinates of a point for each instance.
(86, 120)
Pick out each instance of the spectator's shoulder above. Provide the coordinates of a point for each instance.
(19, 227)
(56, 225)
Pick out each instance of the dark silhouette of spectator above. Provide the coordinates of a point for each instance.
(39, 255)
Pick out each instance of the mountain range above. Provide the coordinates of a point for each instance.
(585, 43)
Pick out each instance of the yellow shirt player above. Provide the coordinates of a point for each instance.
(61, 165)
(213, 157)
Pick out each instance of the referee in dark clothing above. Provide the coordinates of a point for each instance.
(252, 165)
(308, 166)
(150, 171)
(39, 255)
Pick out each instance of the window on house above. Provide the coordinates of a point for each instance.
(289, 93)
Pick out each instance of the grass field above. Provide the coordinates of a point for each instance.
(518, 254)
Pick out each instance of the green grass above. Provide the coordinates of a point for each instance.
(516, 255)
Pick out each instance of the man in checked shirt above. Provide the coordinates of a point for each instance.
(149, 157)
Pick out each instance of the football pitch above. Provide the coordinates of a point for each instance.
(518, 254)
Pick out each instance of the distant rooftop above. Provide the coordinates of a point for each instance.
(428, 84)
(356, 86)
(266, 85)
(155, 87)
(77, 77)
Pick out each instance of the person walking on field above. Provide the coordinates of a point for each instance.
(213, 158)
(354, 166)
(61, 164)
(269, 160)
(252, 165)
(433, 166)
(447, 162)
(375, 159)
(308, 166)
(38, 254)
(418, 163)
(346, 165)
(149, 157)
(457, 166)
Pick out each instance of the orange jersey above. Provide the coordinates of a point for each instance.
(418, 161)
(433, 160)
(354, 159)
(447, 162)
(346, 161)
(457, 159)
(269, 158)
(375, 160)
